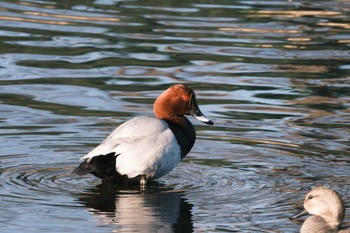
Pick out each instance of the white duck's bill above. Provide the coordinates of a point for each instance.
(204, 119)
(196, 112)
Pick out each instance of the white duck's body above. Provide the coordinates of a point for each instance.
(146, 148)
(143, 145)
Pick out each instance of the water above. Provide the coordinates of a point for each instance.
(273, 75)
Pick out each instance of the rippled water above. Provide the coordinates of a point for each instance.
(273, 75)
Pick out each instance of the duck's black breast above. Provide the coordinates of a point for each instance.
(185, 135)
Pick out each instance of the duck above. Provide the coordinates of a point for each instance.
(327, 209)
(146, 148)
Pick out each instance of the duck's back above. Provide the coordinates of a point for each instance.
(136, 130)
(316, 224)
(345, 230)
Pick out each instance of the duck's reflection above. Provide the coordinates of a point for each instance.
(156, 209)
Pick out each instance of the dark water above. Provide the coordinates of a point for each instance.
(273, 75)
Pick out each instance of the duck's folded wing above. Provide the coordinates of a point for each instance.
(127, 133)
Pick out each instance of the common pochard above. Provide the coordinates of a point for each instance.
(146, 148)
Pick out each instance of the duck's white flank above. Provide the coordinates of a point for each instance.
(143, 145)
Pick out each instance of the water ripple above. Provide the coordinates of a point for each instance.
(37, 183)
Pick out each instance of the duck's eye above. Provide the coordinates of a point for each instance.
(310, 197)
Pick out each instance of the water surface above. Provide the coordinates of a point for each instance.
(274, 76)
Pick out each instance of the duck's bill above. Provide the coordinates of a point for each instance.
(302, 213)
(196, 112)
(204, 119)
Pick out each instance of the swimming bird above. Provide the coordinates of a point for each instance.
(146, 148)
(327, 209)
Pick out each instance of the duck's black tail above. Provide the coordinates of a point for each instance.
(102, 166)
